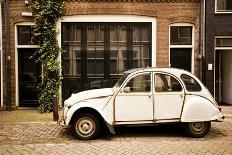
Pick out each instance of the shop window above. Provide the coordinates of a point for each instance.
(223, 6)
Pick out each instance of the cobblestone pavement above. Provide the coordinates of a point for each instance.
(46, 137)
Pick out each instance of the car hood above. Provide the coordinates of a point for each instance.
(89, 94)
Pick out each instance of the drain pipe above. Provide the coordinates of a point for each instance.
(8, 55)
(203, 42)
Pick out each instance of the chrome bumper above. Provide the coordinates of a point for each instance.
(61, 120)
(220, 119)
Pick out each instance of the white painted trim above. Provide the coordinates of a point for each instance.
(183, 46)
(221, 11)
(223, 48)
(16, 58)
(1, 65)
(223, 37)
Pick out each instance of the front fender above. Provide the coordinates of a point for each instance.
(84, 104)
(197, 108)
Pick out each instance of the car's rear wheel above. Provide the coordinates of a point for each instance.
(86, 126)
(197, 129)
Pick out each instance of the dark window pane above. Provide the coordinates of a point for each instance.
(166, 83)
(181, 35)
(224, 5)
(190, 83)
(24, 35)
(181, 58)
(140, 83)
(224, 42)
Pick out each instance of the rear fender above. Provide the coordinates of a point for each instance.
(198, 108)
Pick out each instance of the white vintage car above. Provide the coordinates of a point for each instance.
(144, 96)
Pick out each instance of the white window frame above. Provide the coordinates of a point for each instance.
(221, 11)
(215, 49)
(182, 46)
(17, 46)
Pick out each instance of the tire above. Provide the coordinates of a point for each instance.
(86, 126)
(197, 129)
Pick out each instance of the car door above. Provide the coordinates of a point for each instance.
(168, 97)
(135, 101)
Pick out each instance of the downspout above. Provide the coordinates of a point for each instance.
(8, 55)
(1, 64)
(203, 42)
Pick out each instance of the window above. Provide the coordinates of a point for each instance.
(190, 83)
(181, 35)
(166, 83)
(24, 35)
(223, 6)
(224, 42)
(139, 83)
(97, 53)
(181, 46)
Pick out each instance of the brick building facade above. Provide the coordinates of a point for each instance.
(104, 38)
(218, 49)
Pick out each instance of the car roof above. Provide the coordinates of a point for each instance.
(174, 71)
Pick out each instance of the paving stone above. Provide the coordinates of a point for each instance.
(46, 137)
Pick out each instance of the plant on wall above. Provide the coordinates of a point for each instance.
(47, 13)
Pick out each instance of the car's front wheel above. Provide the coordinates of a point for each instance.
(197, 129)
(86, 126)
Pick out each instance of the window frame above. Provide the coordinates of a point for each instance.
(134, 75)
(183, 46)
(183, 74)
(221, 11)
(164, 92)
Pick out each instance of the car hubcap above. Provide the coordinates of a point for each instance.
(198, 127)
(85, 127)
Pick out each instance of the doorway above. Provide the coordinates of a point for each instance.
(29, 77)
(223, 76)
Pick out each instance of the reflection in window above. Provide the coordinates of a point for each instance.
(24, 35)
(140, 83)
(224, 5)
(181, 35)
(224, 42)
(166, 83)
(190, 83)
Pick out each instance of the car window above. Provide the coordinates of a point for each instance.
(166, 83)
(139, 83)
(190, 83)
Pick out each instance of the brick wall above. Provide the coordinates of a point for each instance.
(166, 12)
(216, 25)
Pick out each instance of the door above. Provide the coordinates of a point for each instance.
(135, 101)
(29, 72)
(226, 76)
(169, 97)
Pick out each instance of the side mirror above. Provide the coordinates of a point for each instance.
(126, 89)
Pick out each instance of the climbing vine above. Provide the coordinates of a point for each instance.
(47, 13)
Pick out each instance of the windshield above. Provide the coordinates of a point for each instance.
(121, 80)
